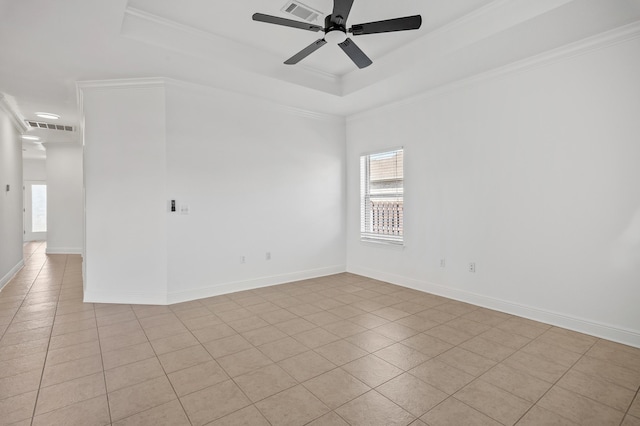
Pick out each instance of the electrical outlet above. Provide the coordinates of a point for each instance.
(472, 267)
(443, 263)
(243, 259)
(267, 256)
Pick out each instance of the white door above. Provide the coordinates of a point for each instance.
(35, 211)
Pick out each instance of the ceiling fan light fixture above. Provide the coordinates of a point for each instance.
(335, 37)
(48, 115)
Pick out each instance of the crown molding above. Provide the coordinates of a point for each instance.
(124, 83)
(7, 104)
(590, 44)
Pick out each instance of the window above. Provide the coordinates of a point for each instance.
(381, 196)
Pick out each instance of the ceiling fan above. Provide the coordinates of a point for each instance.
(336, 31)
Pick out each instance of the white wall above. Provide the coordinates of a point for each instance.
(65, 211)
(258, 178)
(34, 169)
(534, 176)
(11, 258)
(125, 257)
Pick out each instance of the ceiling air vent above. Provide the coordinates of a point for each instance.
(41, 125)
(302, 11)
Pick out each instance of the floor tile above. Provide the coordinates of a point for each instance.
(372, 370)
(615, 396)
(229, 398)
(63, 372)
(264, 382)
(17, 408)
(539, 416)
(344, 328)
(579, 409)
(295, 326)
(295, 406)
(127, 355)
(168, 414)
(20, 383)
(71, 353)
(132, 374)
(243, 362)
(493, 401)
(454, 412)
(518, 383)
(426, 344)
(336, 387)
(412, 394)
(315, 337)
(198, 377)
(402, 356)
(91, 412)
(174, 343)
(341, 352)
(306, 365)
(373, 409)
(68, 393)
(264, 335)
(184, 358)
(609, 372)
(329, 419)
(536, 366)
(227, 346)
(282, 349)
(249, 416)
(141, 397)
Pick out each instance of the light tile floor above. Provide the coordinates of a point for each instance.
(340, 350)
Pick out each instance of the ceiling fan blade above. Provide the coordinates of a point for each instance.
(389, 25)
(341, 10)
(357, 56)
(305, 52)
(261, 17)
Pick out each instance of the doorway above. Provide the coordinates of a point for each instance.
(35, 211)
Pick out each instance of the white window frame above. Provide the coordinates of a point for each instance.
(367, 233)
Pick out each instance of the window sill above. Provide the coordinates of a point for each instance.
(390, 244)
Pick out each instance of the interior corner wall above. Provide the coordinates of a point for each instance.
(534, 177)
(65, 213)
(125, 259)
(257, 178)
(11, 257)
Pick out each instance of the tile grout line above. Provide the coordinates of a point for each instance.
(44, 365)
(556, 383)
(636, 396)
(25, 295)
(104, 371)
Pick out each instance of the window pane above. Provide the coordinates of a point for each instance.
(382, 196)
(39, 208)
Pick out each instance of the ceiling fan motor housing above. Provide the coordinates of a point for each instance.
(335, 30)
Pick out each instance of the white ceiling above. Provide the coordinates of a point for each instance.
(46, 46)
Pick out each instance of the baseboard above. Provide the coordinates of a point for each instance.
(64, 250)
(232, 287)
(604, 331)
(125, 298)
(4, 280)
